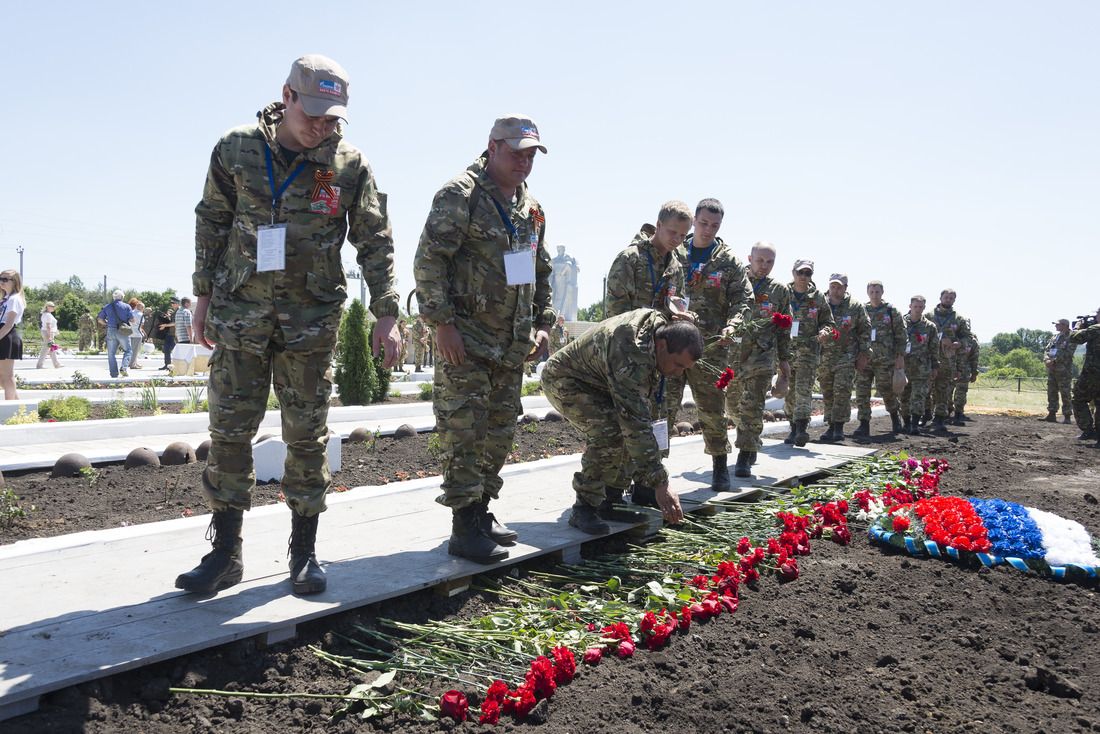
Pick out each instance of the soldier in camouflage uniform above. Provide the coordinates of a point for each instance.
(85, 330)
(603, 383)
(275, 319)
(966, 363)
(756, 355)
(1086, 390)
(1059, 361)
(100, 335)
(483, 315)
(406, 337)
(887, 354)
(951, 328)
(419, 333)
(921, 362)
(811, 327)
(843, 357)
(718, 293)
(558, 336)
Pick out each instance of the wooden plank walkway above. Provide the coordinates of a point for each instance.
(93, 604)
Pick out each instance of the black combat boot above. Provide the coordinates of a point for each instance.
(305, 572)
(924, 419)
(938, 424)
(793, 434)
(863, 431)
(803, 436)
(914, 430)
(1052, 417)
(742, 467)
(752, 458)
(908, 427)
(1067, 419)
(222, 567)
(498, 532)
(585, 518)
(895, 423)
(609, 509)
(468, 540)
(1088, 434)
(959, 419)
(644, 496)
(719, 474)
(827, 437)
(838, 431)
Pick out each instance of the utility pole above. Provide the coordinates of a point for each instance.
(19, 249)
(105, 301)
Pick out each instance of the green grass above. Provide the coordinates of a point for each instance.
(1004, 394)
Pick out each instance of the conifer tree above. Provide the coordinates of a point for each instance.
(356, 376)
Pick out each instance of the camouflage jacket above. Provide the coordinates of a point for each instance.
(850, 319)
(334, 196)
(558, 336)
(950, 326)
(1090, 337)
(887, 333)
(618, 358)
(85, 323)
(717, 286)
(809, 311)
(641, 278)
(459, 266)
(755, 352)
(419, 332)
(1060, 352)
(922, 350)
(967, 361)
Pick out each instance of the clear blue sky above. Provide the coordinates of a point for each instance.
(928, 145)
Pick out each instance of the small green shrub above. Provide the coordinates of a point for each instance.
(434, 448)
(530, 388)
(427, 391)
(10, 510)
(193, 400)
(273, 401)
(531, 427)
(80, 380)
(395, 393)
(116, 409)
(22, 416)
(72, 408)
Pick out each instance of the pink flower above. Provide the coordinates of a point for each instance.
(626, 649)
(592, 655)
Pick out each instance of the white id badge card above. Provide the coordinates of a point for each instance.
(1053, 351)
(873, 333)
(519, 267)
(908, 347)
(794, 329)
(660, 432)
(271, 247)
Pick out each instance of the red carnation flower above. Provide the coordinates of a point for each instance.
(789, 570)
(835, 334)
(783, 321)
(565, 665)
(901, 524)
(724, 379)
(490, 713)
(454, 704)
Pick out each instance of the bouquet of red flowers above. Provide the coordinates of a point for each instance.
(724, 379)
(783, 321)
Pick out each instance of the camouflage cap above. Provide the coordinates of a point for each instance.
(322, 86)
(803, 264)
(518, 131)
(838, 278)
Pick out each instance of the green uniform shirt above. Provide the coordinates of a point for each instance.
(1090, 337)
(761, 345)
(887, 336)
(811, 312)
(640, 277)
(717, 286)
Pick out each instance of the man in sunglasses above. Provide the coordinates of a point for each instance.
(811, 326)
(888, 342)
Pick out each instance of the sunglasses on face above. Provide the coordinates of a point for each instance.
(805, 273)
(4, 279)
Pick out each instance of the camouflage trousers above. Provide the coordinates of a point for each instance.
(882, 373)
(476, 404)
(798, 404)
(710, 402)
(942, 386)
(238, 388)
(594, 414)
(1059, 383)
(84, 340)
(418, 355)
(961, 390)
(915, 394)
(745, 405)
(836, 389)
(1086, 397)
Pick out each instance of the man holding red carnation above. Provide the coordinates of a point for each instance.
(921, 361)
(812, 326)
(843, 357)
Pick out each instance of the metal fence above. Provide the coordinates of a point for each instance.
(1016, 384)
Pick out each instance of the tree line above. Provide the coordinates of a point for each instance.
(72, 297)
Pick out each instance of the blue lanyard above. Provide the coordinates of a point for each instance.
(909, 330)
(939, 322)
(504, 218)
(653, 281)
(798, 301)
(757, 286)
(660, 396)
(702, 260)
(877, 310)
(271, 177)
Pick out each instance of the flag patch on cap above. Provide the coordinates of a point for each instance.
(324, 86)
(529, 132)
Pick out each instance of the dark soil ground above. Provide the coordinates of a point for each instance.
(866, 640)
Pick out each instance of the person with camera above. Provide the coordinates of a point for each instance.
(1086, 390)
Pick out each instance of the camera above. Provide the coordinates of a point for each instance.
(1086, 321)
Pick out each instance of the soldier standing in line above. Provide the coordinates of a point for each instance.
(420, 342)
(1059, 362)
(483, 281)
(755, 356)
(279, 199)
(921, 361)
(887, 354)
(950, 330)
(604, 383)
(811, 326)
(1086, 390)
(85, 330)
(406, 336)
(718, 293)
(843, 357)
(559, 336)
(967, 364)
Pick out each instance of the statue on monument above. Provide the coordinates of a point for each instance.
(565, 284)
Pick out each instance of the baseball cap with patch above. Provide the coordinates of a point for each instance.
(518, 131)
(838, 278)
(322, 86)
(173, 299)
(803, 264)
